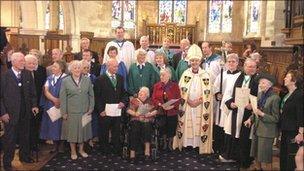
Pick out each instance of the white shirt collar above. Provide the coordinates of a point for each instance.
(16, 72)
(143, 64)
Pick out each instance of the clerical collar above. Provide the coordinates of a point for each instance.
(147, 50)
(194, 72)
(233, 72)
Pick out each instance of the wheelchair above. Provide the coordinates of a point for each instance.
(125, 138)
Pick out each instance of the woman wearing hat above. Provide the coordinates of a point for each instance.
(265, 119)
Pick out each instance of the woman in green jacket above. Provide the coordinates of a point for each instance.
(265, 119)
(77, 102)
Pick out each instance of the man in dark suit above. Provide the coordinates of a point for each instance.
(95, 67)
(184, 46)
(109, 89)
(39, 76)
(18, 102)
(85, 45)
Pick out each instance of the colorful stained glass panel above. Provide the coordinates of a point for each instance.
(180, 11)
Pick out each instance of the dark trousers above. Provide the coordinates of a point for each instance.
(288, 150)
(34, 130)
(218, 139)
(245, 146)
(106, 124)
(140, 133)
(231, 148)
(11, 131)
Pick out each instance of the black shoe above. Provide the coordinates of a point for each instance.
(133, 160)
(27, 160)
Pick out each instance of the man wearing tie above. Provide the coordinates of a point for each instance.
(109, 89)
(18, 102)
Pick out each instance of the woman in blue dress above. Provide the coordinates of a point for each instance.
(122, 70)
(52, 130)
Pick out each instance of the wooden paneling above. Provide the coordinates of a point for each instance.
(55, 40)
(278, 59)
(29, 41)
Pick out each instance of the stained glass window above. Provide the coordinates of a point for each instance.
(220, 16)
(253, 16)
(123, 13)
(47, 16)
(172, 11)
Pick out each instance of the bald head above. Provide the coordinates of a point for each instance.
(112, 66)
(18, 61)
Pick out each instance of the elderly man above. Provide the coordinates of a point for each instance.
(109, 89)
(56, 56)
(94, 66)
(85, 45)
(166, 50)
(223, 88)
(125, 48)
(184, 46)
(237, 144)
(39, 75)
(194, 125)
(18, 104)
(144, 45)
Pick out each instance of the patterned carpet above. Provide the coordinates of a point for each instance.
(185, 160)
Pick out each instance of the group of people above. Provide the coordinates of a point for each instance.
(193, 93)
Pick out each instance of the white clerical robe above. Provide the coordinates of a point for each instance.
(195, 124)
(224, 120)
(126, 52)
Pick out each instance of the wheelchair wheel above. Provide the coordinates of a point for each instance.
(125, 153)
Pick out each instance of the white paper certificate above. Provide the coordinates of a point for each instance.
(169, 103)
(112, 110)
(242, 97)
(86, 118)
(54, 113)
(253, 102)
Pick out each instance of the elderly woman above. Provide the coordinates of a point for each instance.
(265, 119)
(122, 70)
(77, 101)
(164, 91)
(51, 129)
(142, 113)
(291, 119)
(161, 62)
(141, 73)
(39, 74)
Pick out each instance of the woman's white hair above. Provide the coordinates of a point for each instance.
(30, 57)
(166, 70)
(145, 89)
(74, 63)
(140, 52)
